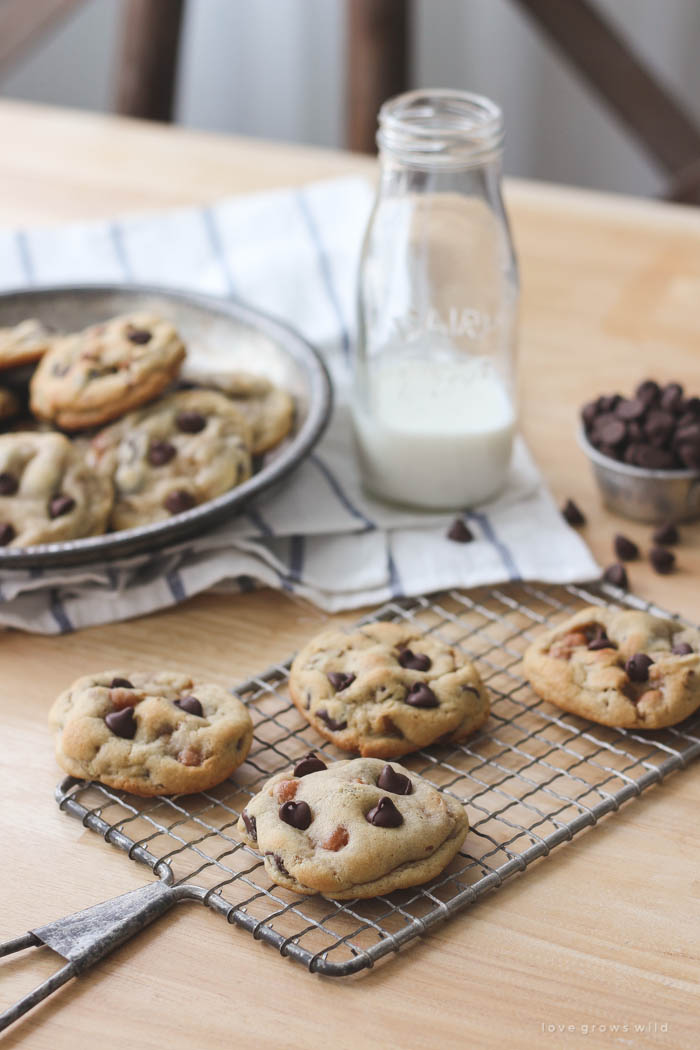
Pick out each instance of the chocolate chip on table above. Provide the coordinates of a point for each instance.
(190, 422)
(398, 783)
(666, 535)
(160, 453)
(459, 532)
(385, 814)
(122, 722)
(191, 705)
(333, 725)
(662, 560)
(296, 814)
(682, 649)
(340, 681)
(625, 549)
(251, 824)
(572, 513)
(7, 534)
(617, 575)
(139, 335)
(178, 501)
(120, 683)
(8, 484)
(637, 667)
(414, 661)
(310, 763)
(60, 505)
(421, 695)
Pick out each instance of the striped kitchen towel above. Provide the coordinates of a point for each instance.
(292, 253)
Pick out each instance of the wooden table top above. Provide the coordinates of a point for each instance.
(605, 932)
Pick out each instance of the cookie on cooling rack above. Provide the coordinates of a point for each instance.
(150, 733)
(23, 343)
(268, 409)
(386, 689)
(358, 828)
(620, 668)
(93, 376)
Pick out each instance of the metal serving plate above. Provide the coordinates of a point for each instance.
(220, 335)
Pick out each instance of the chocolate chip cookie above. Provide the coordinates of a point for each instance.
(48, 493)
(268, 409)
(619, 668)
(150, 733)
(96, 375)
(387, 689)
(23, 343)
(356, 829)
(178, 452)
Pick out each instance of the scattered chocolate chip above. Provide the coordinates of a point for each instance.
(340, 681)
(60, 505)
(682, 649)
(662, 560)
(122, 723)
(160, 453)
(178, 501)
(398, 783)
(191, 705)
(626, 550)
(421, 695)
(296, 814)
(250, 824)
(385, 814)
(414, 661)
(637, 667)
(333, 725)
(7, 534)
(459, 532)
(8, 484)
(572, 514)
(120, 683)
(617, 575)
(190, 422)
(310, 763)
(666, 535)
(139, 335)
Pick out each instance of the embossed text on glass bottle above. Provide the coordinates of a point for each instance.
(434, 370)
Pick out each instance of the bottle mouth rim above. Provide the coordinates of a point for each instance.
(440, 125)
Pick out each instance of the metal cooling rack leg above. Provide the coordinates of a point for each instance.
(87, 936)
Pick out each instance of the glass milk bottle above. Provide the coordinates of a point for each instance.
(434, 369)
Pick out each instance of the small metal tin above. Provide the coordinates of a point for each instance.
(653, 496)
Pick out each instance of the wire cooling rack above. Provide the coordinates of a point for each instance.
(532, 779)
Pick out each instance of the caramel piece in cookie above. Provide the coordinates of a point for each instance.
(346, 836)
(387, 689)
(96, 375)
(23, 343)
(133, 730)
(627, 669)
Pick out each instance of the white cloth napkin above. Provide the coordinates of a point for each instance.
(293, 253)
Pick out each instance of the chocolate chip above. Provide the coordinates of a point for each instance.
(250, 824)
(608, 402)
(160, 453)
(296, 814)
(662, 560)
(310, 763)
(617, 575)
(191, 705)
(60, 505)
(122, 723)
(671, 397)
(647, 391)
(279, 862)
(459, 532)
(121, 683)
(333, 725)
(682, 649)
(340, 681)
(589, 413)
(630, 408)
(652, 458)
(600, 640)
(190, 422)
(414, 661)
(612, 433)
(421, 695)
(625, 549)
(572, 514)
(390, 780)
(178, 501)
(7, 534)
(139, 335)
(385, 814)
(637, 667)
(659, 427)
(8, 484)
(666, 535)
(689, 456)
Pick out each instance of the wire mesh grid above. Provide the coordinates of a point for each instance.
(531, 779)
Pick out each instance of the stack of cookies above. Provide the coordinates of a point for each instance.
(111, 440)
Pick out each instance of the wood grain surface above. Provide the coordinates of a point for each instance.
(605, 931)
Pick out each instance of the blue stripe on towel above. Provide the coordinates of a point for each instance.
(490, 535)
(177, 587)
(296, 557)
(58, 612)
(217, 244)
(256, 519)
(325, 268)
(25, 256)
(337, 489)
(394, 578)
(116, 233)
